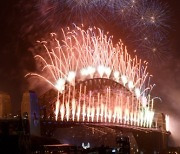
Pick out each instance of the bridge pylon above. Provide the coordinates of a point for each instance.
(30, 110)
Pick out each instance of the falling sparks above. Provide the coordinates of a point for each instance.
(167, 123)
(95, 80)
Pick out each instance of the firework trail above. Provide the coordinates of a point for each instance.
(148, 23)
(71, 11)
(138, 18)
(95, 80)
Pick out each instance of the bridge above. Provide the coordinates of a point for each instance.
(43, 122)
(38, 119)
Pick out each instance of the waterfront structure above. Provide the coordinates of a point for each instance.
(5, 105)
(22, 130)
(30, 110)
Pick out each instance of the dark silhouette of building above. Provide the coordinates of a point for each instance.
(123, 144)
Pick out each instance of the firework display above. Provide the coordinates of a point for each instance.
(95, 80)
(143, 21)
(167, 122)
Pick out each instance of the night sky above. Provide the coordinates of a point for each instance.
(20, 28)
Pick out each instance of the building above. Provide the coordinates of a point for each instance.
(5, 105)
